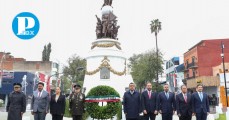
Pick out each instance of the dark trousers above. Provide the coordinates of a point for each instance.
(187, 117)
(57, 117)
(39, 115)
(132, 119)
(149, 115)
(167, 116)
(201, 115)
(77, 117)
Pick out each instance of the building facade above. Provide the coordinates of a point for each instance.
(199, 61)
(174, 74)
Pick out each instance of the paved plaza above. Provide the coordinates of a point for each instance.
(28, 116)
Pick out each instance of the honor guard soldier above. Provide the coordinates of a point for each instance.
(77, 100)
(16, 104)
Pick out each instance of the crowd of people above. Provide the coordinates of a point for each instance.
(149, 103)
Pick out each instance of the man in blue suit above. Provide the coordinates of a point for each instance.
(166, 103)
(200, 104)
(148, 99)
(131, 103)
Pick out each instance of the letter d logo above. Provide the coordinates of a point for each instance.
(25, 25)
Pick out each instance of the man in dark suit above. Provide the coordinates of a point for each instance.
(40, 103)
(131, 103)
(184, 104)
(76, 105)
(200, 103)
(148, 99)
(166, 103)
(57, 105)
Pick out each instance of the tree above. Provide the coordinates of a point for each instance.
(155, 27)
(144, 67)
(65, 84)
(75, 69)
(49, 50)
(46, 52)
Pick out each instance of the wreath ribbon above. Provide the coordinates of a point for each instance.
(113, 100)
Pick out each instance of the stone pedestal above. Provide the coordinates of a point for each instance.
(106, 65)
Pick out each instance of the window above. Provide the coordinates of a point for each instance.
(104, 73)
(193, 59)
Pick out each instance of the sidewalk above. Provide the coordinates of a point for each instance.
(28, 116)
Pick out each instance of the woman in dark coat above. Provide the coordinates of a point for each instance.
(57, 105)
(16, 104)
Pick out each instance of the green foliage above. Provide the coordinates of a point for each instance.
(75, 68)
(119, 114)
(85, 116)
(49, 50)
(222, 117)
(46, 52)
(155, 26)
(66, 84)
(103, 112)
(67, 112)
(145, 66)
(159, 87)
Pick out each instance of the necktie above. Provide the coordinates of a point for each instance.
(39, 94)
(185, 98)
(167, 95)
(149, 94)
(201, 96)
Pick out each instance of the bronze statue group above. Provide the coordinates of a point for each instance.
(148, 102)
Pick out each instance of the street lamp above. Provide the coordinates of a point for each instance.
(222, 55)
(1, 63)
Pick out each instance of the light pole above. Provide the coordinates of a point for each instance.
(2, 60)
(222, 55)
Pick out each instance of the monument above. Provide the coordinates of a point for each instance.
(106, 62)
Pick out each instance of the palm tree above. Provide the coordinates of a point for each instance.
(155, 27)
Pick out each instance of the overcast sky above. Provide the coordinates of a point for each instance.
(70, 25)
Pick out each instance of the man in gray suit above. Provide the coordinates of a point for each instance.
(40, 103)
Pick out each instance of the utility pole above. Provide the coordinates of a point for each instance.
(222, 55)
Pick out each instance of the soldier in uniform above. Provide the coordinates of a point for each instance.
(16, 104)
(77, 100)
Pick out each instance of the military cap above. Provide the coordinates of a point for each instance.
(77, 86)
(17, 84)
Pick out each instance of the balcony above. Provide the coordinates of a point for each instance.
(187, 78)
(192, 65)
(205, 80)
(186, 68)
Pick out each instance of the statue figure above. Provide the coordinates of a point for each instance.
(115, 30)
(99, 28)
(107, 2)
(107, 27)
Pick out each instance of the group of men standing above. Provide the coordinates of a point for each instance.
(134, 103)
(42, 103)
(165, 103)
